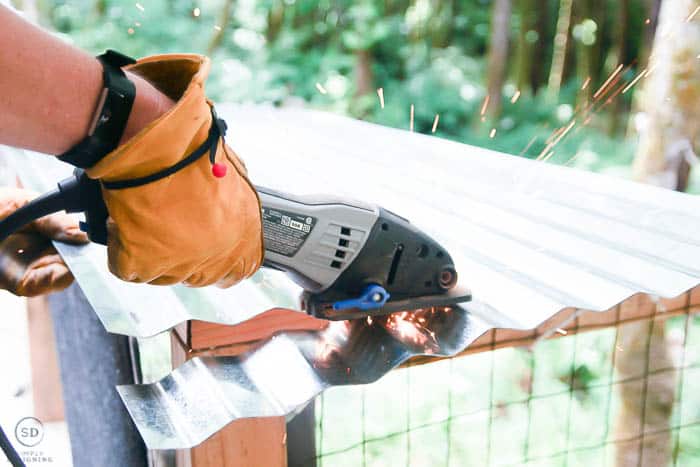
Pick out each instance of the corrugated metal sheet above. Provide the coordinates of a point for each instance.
(529, 239)
(207, 393)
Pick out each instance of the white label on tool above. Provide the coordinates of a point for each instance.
(285, 232)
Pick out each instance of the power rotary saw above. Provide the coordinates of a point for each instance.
(352, 259)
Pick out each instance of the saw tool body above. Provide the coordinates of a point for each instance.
(352, 259)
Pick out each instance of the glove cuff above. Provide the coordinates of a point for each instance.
(176, 134)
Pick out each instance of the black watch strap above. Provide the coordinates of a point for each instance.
(113, 109)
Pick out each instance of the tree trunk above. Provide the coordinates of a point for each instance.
(498, 55)
(222, 24)
(538, 74)
(598, 14)
(364, 80)
(584, 52)
(620, 50)
(669, 125)
(101, 7)
(669, 121)
(441, 24)
(526, 45)
(638, 352)
(561, 41)
(275, 21)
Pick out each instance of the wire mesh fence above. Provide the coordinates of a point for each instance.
(627, 394)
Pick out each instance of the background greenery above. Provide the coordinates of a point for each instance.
(432, 54)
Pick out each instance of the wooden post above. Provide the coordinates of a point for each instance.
(248, 442)
(46, 377)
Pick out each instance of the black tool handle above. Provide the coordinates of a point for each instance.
(77, 193)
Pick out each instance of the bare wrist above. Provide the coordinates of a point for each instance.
(149, 105)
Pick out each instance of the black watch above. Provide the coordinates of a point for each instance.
(112, 113)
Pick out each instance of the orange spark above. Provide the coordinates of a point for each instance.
(575, 156)
(407, 327)
(321, 89)
(607, 81)
(411, 122)
(651, 70)
(547, 156)
(515, 97)
(612, 97)
(130, 30)
(647, 21)
(544, 156)
(485, 105)
(554, 134)
(380, 93)
(532, 141)
(435, 122)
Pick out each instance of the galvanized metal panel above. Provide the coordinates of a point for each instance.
(278, 379)
(529, 239)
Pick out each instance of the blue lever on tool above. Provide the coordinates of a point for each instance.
(374, 296)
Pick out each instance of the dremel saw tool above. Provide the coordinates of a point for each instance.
(352, 259)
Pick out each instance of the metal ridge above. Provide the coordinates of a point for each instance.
(528, 238)
(284, 374)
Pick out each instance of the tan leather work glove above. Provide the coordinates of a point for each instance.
(195, 225)
(29, 264)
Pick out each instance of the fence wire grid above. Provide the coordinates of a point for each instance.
(627, 395)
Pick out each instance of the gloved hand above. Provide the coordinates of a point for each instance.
(29, 264)
(199, 224)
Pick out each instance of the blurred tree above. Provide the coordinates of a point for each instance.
(367, 29)
(275, 20)
(528, 38)
(669, 127)
(669, 123)
(619, 53)
(541, 52)
(561, 40)
(221, 25)
(497, 55)
(584, 33)
(441, 23)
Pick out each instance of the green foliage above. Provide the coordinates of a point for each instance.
(429, 54)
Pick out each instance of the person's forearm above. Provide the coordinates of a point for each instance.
(49, 90)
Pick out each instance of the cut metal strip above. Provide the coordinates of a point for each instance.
(281, 377)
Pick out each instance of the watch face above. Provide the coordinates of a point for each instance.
(100, 116)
